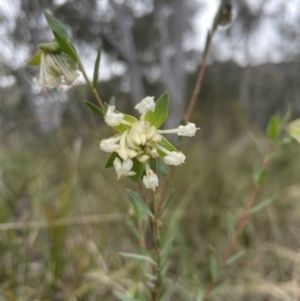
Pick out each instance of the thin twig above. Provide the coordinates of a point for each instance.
(156, 236)
(95, 92)
(242, 222)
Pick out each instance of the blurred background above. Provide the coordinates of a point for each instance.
(52, 175)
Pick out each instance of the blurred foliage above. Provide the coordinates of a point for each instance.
(57, 180)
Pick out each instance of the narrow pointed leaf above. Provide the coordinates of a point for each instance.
(141, 203)
(167, 202)
(138, 167)
(66, 46)
(272, 128)
(94, 108)
(168, 293)
(112, 101)
(262, 205)
(200, 296)
(160, 114)
(213, 267)
(138, 257)
(235, 257)
(110, 161)
(230, 224)
(150, 277)
(96, 70)
(153, 164)
(56, 25)
(123, 297)
(36, 59)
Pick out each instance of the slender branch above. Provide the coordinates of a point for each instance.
(97, 96)
(242, 221)
(156, 236)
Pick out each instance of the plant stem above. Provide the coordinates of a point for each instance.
(97, 96)
(242, 221)
(156, 236)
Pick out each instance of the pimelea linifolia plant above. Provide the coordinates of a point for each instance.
(137, 144)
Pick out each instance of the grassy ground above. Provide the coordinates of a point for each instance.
(64, 218)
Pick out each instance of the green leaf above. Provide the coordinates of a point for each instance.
(150, 277)
(259, 174)
(153, 164)
(262, 205)
(96, 70)
(213, 267)
(123, 297)
(200, 296)
(138, 257)
(51, 47)
(167, 246)
(140, 202)
(94, 108)
(251, 135)
(235, 257)
(122, 127)
(167, 202)
(160, 114)
(230, 224)
(112, 101)
(110, 161)
(36, 59)
(56, 25)
(272, 128)
(66, 46)
(169, 292)
(167, 145)
(138, 167)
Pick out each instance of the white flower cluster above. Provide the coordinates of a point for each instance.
(141, 140)
(56, 69)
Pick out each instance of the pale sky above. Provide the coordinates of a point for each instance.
(262, 47)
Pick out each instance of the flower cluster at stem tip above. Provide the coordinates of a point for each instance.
(140, 140)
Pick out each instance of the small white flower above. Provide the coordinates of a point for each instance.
(123, 169)
(145, 105)
(112, 118)
(152, 135)
(110, 145)
(183, 130)
(123, 151)
(174, 158)
(56, 69)
(143, 158)
(294, 129)
(138, 132)
(154, 153)
(150, 180)
(187, 130)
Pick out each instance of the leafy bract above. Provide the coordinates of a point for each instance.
(66, 46)
(36, 59)
(160, 114)
(56, 25)
(51, 47)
